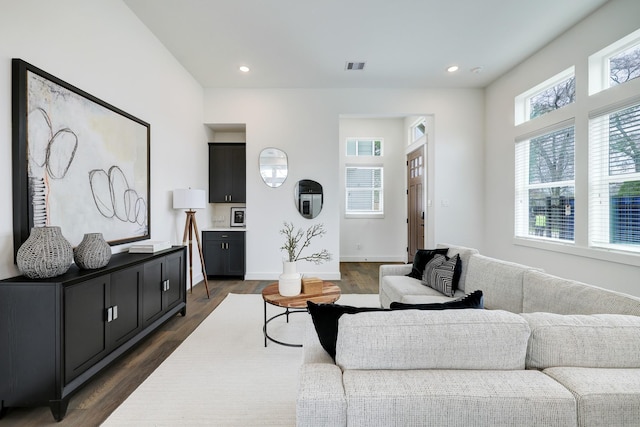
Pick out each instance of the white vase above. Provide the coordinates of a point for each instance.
(290, 282)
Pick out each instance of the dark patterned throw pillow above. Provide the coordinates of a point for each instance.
(440, 274)
(421, 258)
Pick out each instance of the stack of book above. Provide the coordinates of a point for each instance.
(149, 247)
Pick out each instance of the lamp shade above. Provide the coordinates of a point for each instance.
(189, 199)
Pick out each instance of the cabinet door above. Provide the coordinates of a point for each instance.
(219, 179)
(238, 164)
(152, 291)
(235, 265)
(227, 173)
(214, 257)
(173, 273)
(85, 340)
(125, 293)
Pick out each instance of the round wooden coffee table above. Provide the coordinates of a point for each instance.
(296, 304)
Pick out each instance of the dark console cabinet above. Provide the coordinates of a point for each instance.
(223, 253)
(227, 173)
(167, 272)
(56, 334)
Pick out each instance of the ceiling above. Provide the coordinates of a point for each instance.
(306, 43)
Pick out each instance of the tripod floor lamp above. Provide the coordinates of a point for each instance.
(190, 200)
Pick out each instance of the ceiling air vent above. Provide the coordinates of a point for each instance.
(354, 66)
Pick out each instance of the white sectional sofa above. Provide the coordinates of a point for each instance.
(547, 352)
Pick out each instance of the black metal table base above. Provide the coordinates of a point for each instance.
(286, 313)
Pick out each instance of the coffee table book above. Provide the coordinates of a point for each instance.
(149, 247)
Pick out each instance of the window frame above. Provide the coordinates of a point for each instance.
(412, 131)
(523, 186)
(601, 178)
(357, 147)
(599, 63)
(522, 113)
(364, 213)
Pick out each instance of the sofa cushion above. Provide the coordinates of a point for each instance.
(456, 398)
(425, 339)
(594, 341)
(396, 287)
(544, 292)
(473, 300)
(442, 274)
(325, 316)
(421, 258)
(321, 400)
(605, 397)
(500, 281)
(325, 320)
(430, 299)
(465, 254)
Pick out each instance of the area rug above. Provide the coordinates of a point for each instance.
(222, 374)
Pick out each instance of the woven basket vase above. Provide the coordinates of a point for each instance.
(93, 252)
(46, 253)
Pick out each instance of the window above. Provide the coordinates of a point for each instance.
(552, 94)
(614, 185)
(625, 66)
(616, 64)
(418, 131)
(364, 147)
(364, 190)
(545, 186)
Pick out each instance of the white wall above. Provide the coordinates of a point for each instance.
(103, 49)
(614, 20)
(376, 239)
(305, 124)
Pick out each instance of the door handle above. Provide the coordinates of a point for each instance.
(112, 313)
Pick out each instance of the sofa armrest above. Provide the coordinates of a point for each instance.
(321, 398)
(392, 270)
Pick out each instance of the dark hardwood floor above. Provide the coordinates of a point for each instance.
(93, 403)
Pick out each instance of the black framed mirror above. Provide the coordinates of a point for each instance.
(308, 198)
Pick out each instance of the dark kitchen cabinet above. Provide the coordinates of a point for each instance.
(227, 173)
(56, 334)
(223, 253)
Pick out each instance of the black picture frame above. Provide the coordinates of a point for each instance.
(238, 217)
(78, 162)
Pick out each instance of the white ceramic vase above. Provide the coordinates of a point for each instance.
(290, 282)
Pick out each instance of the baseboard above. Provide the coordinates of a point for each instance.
(390, 259)
(274, 276)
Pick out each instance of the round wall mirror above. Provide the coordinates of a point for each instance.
(273, 166)
(308, 198)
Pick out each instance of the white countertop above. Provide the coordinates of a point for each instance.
(225, 229)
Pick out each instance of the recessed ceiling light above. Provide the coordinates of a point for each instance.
(452, 69)
(476, 70)
(244, 68)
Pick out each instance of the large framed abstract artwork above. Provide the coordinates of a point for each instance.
(78, 162)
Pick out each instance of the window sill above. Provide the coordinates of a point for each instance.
(364, 216)
(610, 255)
